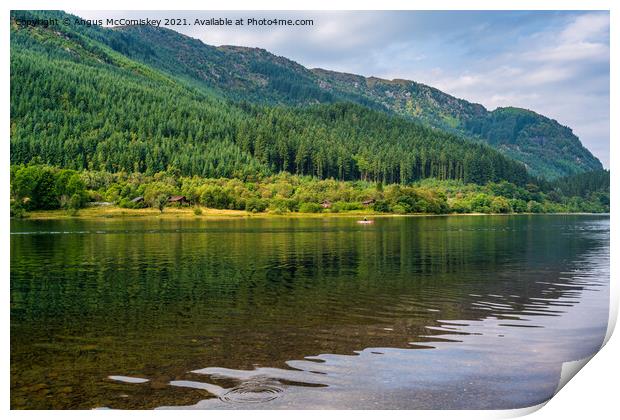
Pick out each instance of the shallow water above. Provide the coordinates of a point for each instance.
(412, 312)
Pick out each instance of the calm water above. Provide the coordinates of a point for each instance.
(434, 312)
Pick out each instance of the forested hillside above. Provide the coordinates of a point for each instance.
(76, 103)
(547, 148)
(581, 185)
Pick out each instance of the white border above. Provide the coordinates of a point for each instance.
(592, 394)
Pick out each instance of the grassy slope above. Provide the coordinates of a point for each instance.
(107, 212)
(115, 212)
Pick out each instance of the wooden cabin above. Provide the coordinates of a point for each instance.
(368, 202)
(138, 199)
(180, 199)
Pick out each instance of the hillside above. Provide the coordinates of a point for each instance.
(547, 148)
(210, 84)
(78, 103)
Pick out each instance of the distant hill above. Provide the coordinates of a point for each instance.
(221, 89)
(546, 147)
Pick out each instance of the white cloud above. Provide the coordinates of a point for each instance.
(586, 27)
(581, 50)
(562, 74)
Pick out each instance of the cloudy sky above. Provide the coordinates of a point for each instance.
(555, 63)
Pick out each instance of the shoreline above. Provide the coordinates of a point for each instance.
(115, 212)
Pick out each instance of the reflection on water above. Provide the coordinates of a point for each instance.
(435, 312)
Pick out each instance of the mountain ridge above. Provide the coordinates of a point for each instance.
(255, 75)
(265, 78)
